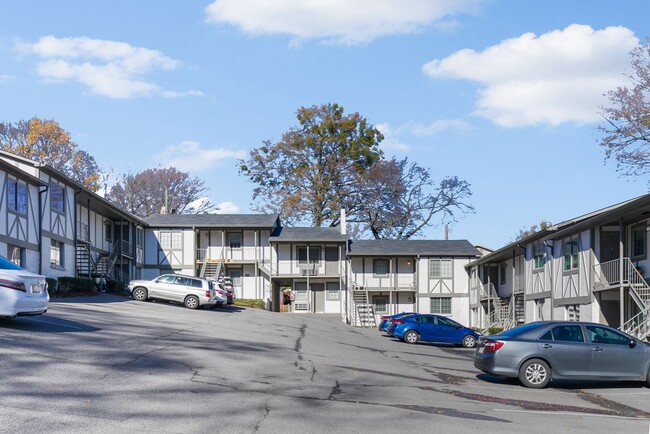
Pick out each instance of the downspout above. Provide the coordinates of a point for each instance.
(621, 253)
(550, 275)
(524, 274)
(40, 227)
(417, 284)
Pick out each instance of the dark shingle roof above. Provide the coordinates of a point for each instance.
(412, 247)
(213, 220)
(328, 234)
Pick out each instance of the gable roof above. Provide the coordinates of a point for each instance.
(253, 221)
(305, 235)
(412, 247)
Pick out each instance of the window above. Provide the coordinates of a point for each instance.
(139, 236)
(441, 305)
(108, 230)
(573, 312)
(17, 195)
(440, 268)
(381, 303)
(503, 271)
(380, 267)
(56, 253)
(568, 334)
(570, 249)
(314, 255)
(602, 335)
(332, 291)
(301, 292)
(639, 242)
(538, 256)
(234, 239)
(57, 197)
(16, 255)
(171, 240)
(448, 322)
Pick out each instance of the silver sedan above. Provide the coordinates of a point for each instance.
(540, 351)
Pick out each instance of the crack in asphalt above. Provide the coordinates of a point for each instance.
(259, 422)
(298, 346)
(336, 390)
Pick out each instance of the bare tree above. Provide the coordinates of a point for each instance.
(400, 199)
(627, 120)
(153, 191)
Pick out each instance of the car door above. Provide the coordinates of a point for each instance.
(160, 287)
(565, 348)
(448, 330)
(181, 288)
(612, 356)
(428, 328)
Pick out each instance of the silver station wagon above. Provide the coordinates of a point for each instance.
(193, 292)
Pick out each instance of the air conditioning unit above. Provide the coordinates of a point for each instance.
(301, 306)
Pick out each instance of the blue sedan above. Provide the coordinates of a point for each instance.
(385, 320)
(432, 328)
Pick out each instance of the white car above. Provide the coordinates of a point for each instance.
(21, 292)
(193, 292)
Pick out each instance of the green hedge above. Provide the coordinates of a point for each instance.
(76, 285)
(116, 287)
(250, 302)
(52, 285)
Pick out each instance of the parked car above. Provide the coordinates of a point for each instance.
(221, 294)
(193, 292)
(231, 296)
(386, 319)
(540, 351)
(22, 293)
(432, 328)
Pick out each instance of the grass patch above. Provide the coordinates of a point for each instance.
(250, 302)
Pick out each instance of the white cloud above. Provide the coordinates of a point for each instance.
(4, 78)
(108, 68)
(437, 127)
(390, 142)
(190, 156)
(339, 21)
(558, 77)
(227, 208)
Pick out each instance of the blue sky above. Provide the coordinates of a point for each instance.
(503, 94)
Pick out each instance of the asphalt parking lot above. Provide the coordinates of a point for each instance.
(111, 364)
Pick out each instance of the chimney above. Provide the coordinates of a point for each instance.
(344, 229)
(446, 231)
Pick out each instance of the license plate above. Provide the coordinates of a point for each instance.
(36, 289)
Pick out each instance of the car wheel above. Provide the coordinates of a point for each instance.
(535, 373)
(191, 302)
(469, 341)
(411, 337)
(140, 294)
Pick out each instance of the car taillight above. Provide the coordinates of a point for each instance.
(492, 346)
(18, 286)
(385, 318)
(398, 321)
(208, 294)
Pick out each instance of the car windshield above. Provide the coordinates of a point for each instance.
(6, 264)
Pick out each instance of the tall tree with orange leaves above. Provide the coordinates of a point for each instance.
(43, 140)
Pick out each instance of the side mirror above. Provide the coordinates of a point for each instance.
(632, 343)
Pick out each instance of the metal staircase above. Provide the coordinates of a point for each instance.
(608, 274)
(502, 315)
(363, 311)
(85, 261)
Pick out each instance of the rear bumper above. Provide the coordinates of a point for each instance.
(16, 303)
(495, 365)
